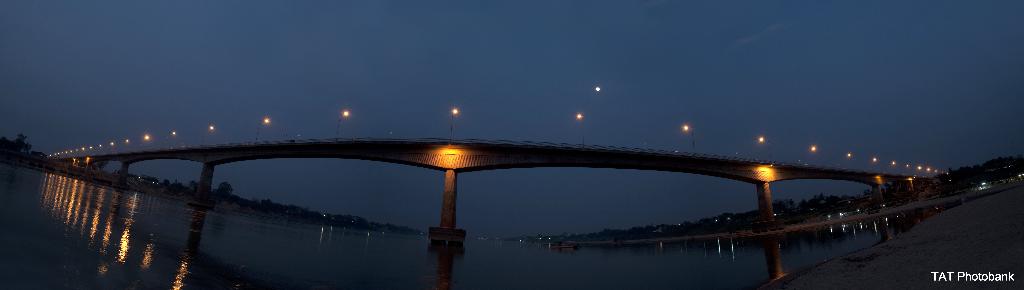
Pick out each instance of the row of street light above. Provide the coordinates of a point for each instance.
(211, 128)
(686, 128)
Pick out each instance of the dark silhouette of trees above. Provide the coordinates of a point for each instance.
(19, 144)
(726, 222)
(224, 194)
(820, 203)
(970, 176)
(224, 189)
(176, 186)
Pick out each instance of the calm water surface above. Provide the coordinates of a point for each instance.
(62, 233)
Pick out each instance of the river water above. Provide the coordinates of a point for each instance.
(63, 233)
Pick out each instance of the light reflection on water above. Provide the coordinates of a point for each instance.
(115, 239)
(122, 252)
(195, 231)
(81, 208)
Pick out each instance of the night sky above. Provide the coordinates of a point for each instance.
(927, 82)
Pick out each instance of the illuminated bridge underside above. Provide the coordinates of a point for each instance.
(478, 155)
(468, 156)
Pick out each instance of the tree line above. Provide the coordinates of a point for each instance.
(223, 194)
(725, 222)
(19, 144)
(994, 170)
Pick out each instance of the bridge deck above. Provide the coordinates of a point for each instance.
(112, 154)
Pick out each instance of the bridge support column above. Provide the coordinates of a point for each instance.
(766, 217)
(122, 176)
(202, 197)
(876, 194)
(446, 233)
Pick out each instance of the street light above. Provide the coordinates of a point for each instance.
(597, 89)
(209, 131)
(693, 137)
(763, 141)
(451, 125)
(579, 119)
(266, 122)
(874, 159)
(849, 155)
(814, 148)
(174, 136)
(344, 115)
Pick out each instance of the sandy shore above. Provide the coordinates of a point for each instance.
(986, 235)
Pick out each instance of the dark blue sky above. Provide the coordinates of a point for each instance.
(932, 82)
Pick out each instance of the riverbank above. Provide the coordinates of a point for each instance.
(986, 235)
(850, 218)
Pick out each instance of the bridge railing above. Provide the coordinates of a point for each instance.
(498, 142)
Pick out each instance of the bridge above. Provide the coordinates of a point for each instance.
(455, 157)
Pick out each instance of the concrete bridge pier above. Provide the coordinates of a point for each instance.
(909, 185)
(122, 176)
(446, 233)
(202, 197)
(876, 194)
(766, 220)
